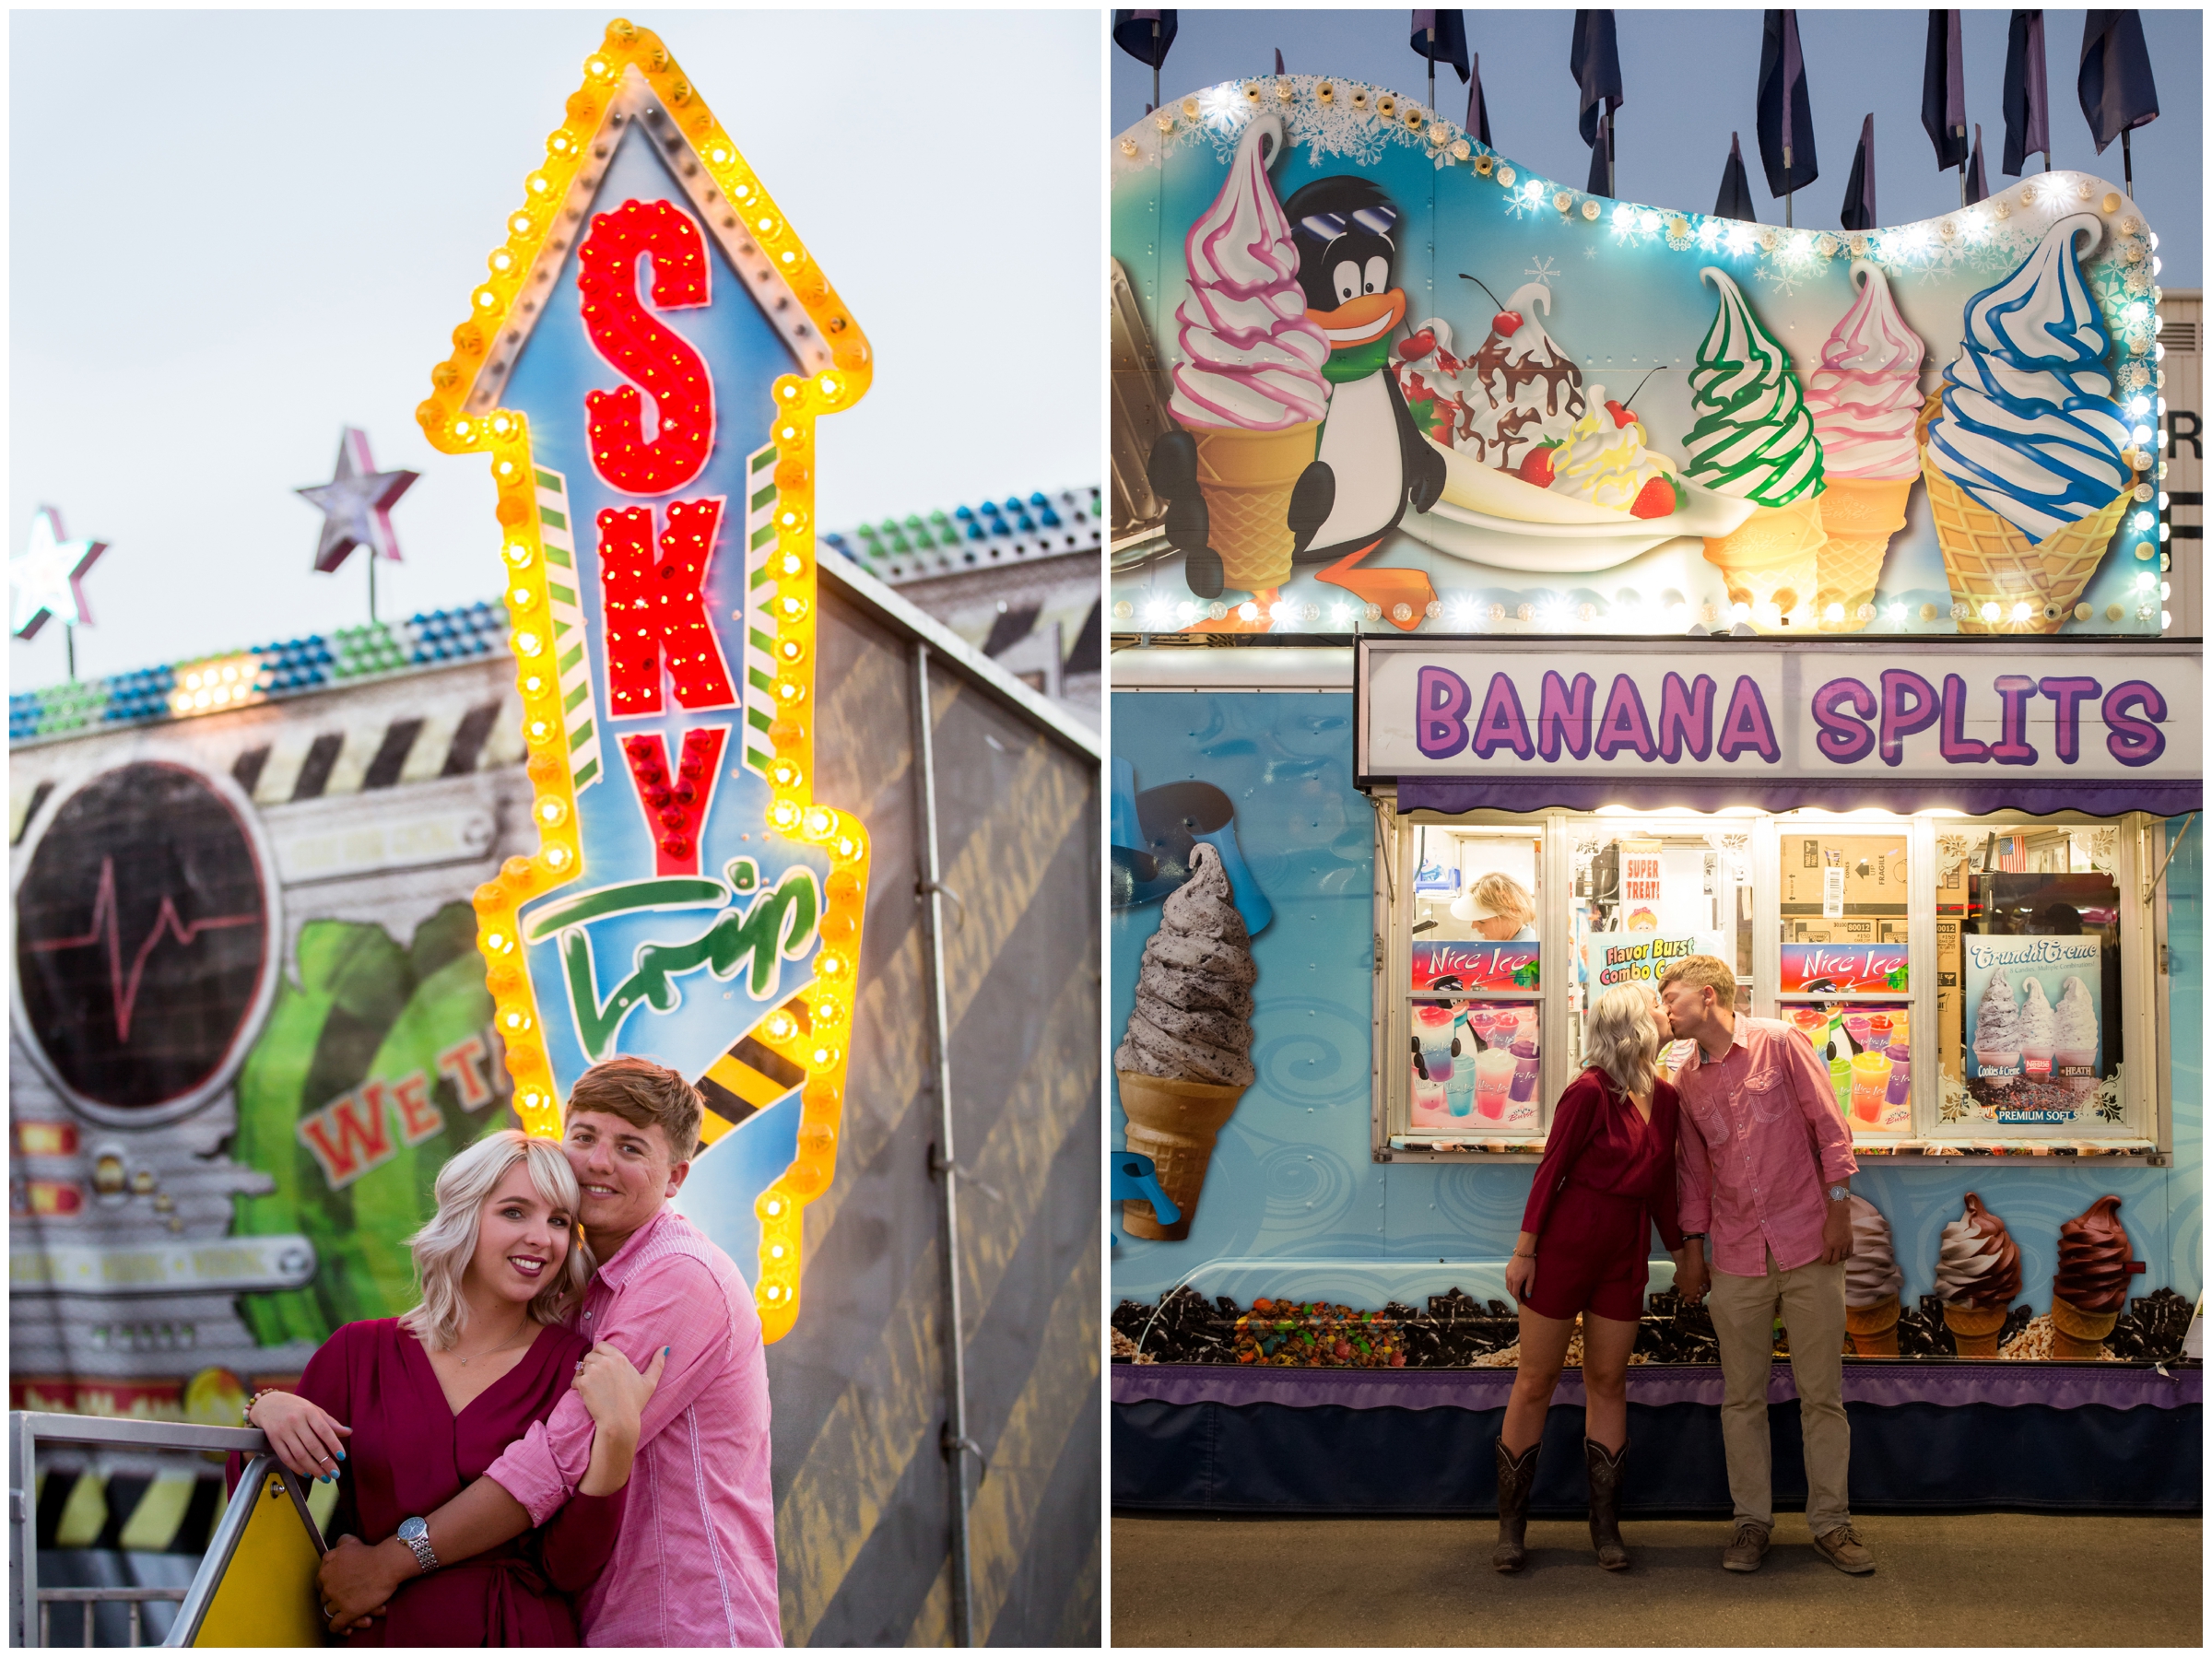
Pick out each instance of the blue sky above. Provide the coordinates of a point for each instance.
(1691, 76)
(272, 223)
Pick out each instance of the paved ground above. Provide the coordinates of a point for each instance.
(1974, 1579)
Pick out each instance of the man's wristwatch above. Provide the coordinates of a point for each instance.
(416, 1534)
(1694, 1237)
(1839, 1194)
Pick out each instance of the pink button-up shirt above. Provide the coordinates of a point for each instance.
(1762, 1142)
(696, 1564)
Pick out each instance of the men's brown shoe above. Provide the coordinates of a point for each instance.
(1748, 1548)
(1841, 1548)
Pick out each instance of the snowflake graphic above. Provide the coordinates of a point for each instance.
(1783, 279)
(1590, 249)
(1544, 270)
(1518, 204)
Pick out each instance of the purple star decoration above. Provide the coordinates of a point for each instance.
(357, 505)
(48, 577)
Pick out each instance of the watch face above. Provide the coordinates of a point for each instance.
(143, 944)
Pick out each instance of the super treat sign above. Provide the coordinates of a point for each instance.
(644, 370)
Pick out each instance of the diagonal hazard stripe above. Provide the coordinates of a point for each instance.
(888, 1413)
(751, 1076)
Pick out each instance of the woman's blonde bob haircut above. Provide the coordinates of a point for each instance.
(1622, 1038)
(443, 1248)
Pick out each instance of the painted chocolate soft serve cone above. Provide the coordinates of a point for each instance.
(2090, 1286)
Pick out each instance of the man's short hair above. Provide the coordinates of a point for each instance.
(1706, 973)
(644, 1094)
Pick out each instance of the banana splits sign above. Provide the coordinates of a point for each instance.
(1370, 371)
(643, 369)
(1459, 723)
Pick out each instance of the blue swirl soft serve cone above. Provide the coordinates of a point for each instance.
(2023, 445)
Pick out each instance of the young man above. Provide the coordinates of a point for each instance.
(1765, 1165)
(696, 1565)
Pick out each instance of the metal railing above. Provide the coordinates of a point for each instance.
(27, 1431)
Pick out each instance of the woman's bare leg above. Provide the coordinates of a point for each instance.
(1543, 1349)
(1607, 1342)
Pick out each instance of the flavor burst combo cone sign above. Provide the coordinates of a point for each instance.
(643, 369)
(1379, 373)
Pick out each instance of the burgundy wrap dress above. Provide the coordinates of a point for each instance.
(410, 1453)
(1607, 1178)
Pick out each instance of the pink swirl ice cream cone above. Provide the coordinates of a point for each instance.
(1864, 399)
(1248, 389)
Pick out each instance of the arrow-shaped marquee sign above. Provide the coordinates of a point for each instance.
(643, 368)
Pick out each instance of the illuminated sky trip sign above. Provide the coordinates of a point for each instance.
(643, 368)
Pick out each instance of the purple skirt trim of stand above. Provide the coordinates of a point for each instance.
(1951, 1382)
(1529, 789)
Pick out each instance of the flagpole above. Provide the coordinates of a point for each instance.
(2127, 164)
(1612, 158)
(69, 645)
(1432, 71)
(371, 551)
(1789, 193)
(1156, 62)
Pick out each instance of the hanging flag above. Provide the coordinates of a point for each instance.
(1450, 44)
(1735, 200)
(1943, 90)
(1858, 193)
(1278, 62)
(2116, 85)
(1785, 115)
(2026, 94)
(1595, 62)
(1133, 33)
(1478, 112)
(1977, 182)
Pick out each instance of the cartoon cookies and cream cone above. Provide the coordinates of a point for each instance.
(1977, 1278)
(2092, 1283)
(1872, 1283)
(1185, 1057)
(1753, 438)
(2023, 446)
(1864, 399)
(1249, 388)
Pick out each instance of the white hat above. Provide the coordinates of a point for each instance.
(1468, 908)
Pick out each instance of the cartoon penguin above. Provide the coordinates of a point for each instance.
(1376, 461)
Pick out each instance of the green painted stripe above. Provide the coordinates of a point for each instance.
(763, 642)
(758, 719)
(561, 594)
(586, 771)
(761, 497)
(551, 520)
(583, 693)
(763, 537)
(550, 480)
(568, 662)
(760, 681)
(767, 457)
(555, 554)
(581, 734)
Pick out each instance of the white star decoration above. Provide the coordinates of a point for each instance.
(355, 505)
(48, 577)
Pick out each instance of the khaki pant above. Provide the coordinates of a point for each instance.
(1810, 1301)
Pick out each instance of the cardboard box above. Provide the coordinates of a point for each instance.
(1874, 869)
(1852, 929)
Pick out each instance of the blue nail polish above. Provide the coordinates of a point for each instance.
(665, 1351)
(341, 1455)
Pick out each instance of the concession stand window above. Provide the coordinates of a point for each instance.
(1977, 981)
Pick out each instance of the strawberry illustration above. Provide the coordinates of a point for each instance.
(1655, 499)
(1536, 467)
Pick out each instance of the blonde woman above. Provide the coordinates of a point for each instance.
(1607, 1178)
(1499, 909)
(403, 1412)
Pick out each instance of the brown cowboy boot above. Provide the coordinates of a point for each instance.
(1604, 1502)
(1515, 1480)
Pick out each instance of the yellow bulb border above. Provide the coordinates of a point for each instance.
(503, 436)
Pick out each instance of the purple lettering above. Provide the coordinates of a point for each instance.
(1625, 727)
(2011, 747)
(1839, 707)
(2069, 694)
(1956, 746)
(1440, 705)
(1563, 716)
(1502, 724)
(2130, 740)
(1909, 705)
(1685, 717)
(1746, 727)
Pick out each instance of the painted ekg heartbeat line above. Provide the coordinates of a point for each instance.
(167, 923)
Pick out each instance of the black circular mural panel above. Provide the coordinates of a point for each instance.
(141, 931)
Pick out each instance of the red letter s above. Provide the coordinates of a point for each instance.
(634, 342)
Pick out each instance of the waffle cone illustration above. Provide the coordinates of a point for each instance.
(1174, 1123)
(1873, 1328)
(1247, 477)
(2078, 1333)
(1860, 514)
(1987, 561)
(1774, 556)
(1976, 1328)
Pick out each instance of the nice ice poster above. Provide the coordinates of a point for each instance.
(2034, 1028)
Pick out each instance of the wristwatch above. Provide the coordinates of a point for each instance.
(416, 1534)
(1837, 1193)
